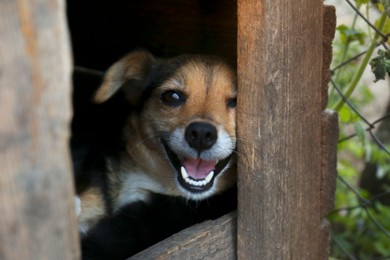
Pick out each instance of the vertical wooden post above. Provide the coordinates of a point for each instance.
(37, 218)
(329, 132)
(279, 129)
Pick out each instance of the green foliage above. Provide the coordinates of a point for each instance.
(359, 235)
(348, 34)
(386, 5)
(358, 218)
(386, 27)
(380, 65)
(360, 2)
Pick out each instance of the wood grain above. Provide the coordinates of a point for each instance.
(279, 129)
(329, 30)
(213, 239)
(37, 218)
(330, 135)
(329, 132)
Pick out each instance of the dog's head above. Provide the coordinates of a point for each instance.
(183, 127)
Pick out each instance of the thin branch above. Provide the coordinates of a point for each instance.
(376, 222)
(364, 201)
(370, 125)
(359, 206)
(363, 65)
(345, 99)
(356, 56)
(380, 195)
(373, 124)
(349, 60)
(379, 142)
(341, 247)
(366, 20)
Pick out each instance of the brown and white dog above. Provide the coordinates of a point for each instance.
(179, 138)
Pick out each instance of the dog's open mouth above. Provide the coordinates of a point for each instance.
(195, 174)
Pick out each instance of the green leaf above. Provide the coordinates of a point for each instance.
(380, 65)
(360, 2)
(386, 4)
(379, 71)
(348, 34)
(386, 27)
(345, 114)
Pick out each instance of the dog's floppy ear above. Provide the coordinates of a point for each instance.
(130, 74)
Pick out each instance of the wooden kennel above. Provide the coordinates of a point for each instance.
(286, 138)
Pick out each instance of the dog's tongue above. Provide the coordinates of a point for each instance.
(198, 168)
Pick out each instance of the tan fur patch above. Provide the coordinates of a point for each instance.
(92, 206)
(132, 67)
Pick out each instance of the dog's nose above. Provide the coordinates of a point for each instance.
(201, 136)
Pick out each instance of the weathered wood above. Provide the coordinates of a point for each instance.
(213, 239)
(329, 120)
(329, 133)
(329, 129)
(329, 30)
(279, 129)
(37, 218)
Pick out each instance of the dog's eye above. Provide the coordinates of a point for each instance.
(232, 102)
(173, 98)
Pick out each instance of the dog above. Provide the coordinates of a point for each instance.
(161, 129)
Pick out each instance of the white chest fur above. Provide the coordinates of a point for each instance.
(136, 187)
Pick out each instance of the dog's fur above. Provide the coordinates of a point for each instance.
(156, 117)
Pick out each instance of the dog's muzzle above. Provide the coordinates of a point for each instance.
(197, 175)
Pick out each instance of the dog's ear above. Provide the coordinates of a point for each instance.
(131, 74)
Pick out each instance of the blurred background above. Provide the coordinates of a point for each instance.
(359, 91)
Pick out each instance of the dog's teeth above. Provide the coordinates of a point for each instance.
(209, 177)
(184, 173)
(193, 182)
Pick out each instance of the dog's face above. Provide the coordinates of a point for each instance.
(184, 129)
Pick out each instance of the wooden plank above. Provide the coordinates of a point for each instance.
(213, 239)
(329, 123)
(329, 129)
(329, 133)
(279, 129)
(329, 29)
(37, 216)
